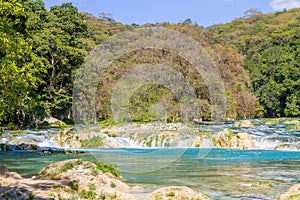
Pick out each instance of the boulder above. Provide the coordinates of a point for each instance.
(87, 177)
(177, 193)
(5, 147)
(286, 147)
(292, 194)
(70, 179)
(67, 139)
(295, 124)
(243, 123)
(3, 170)
(244, 141)
(227, 139)
(53, 121)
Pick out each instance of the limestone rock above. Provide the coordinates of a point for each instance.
(177, 193)
(243, 123)
(292, 194)
(54, 122)
(244, 141)
(227, 139)
(71, 179)
(66, 139)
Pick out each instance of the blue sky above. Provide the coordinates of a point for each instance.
(204, 12)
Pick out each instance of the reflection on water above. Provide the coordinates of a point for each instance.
(222, 174)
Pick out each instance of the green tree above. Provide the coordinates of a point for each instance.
(19, 74)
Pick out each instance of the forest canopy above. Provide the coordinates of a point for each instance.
(41, 50)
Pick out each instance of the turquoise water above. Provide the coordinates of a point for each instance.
(220, 173)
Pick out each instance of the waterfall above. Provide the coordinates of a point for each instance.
(126, 142)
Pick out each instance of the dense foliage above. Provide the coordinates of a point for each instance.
(271, 45)
(40, 51)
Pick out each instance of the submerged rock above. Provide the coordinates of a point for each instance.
(292, 194)
(295, 124)
(38, 149)
(286, 147)
(177, 193)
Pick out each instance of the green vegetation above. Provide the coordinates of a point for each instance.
(149, 142)
(18, 132)
(73, 185)
(92, 187)
(112, 185)
(87, 194)
(105, 167)
(271, 45)
(95, 141)
(41, 51)
(69, 165)
(65, 167)
(171, 194)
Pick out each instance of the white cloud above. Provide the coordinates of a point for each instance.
(284, 4)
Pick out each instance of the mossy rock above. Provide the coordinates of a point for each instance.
(5, 147)
(18, 132)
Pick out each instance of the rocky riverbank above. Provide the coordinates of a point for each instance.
(292, 194)
(77, 179)
(243, 134)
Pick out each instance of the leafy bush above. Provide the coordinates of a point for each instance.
(95, 141)
(87, 194)
(73, 185)
(105, 167)
(112, 185)
(171, 194)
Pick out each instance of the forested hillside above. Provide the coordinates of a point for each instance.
(271, 46)
(40, 51)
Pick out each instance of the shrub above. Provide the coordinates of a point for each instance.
(171, 194)
(95, 141)
(112, 185)
(73, 185)
(105, 167)
(87, 194)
